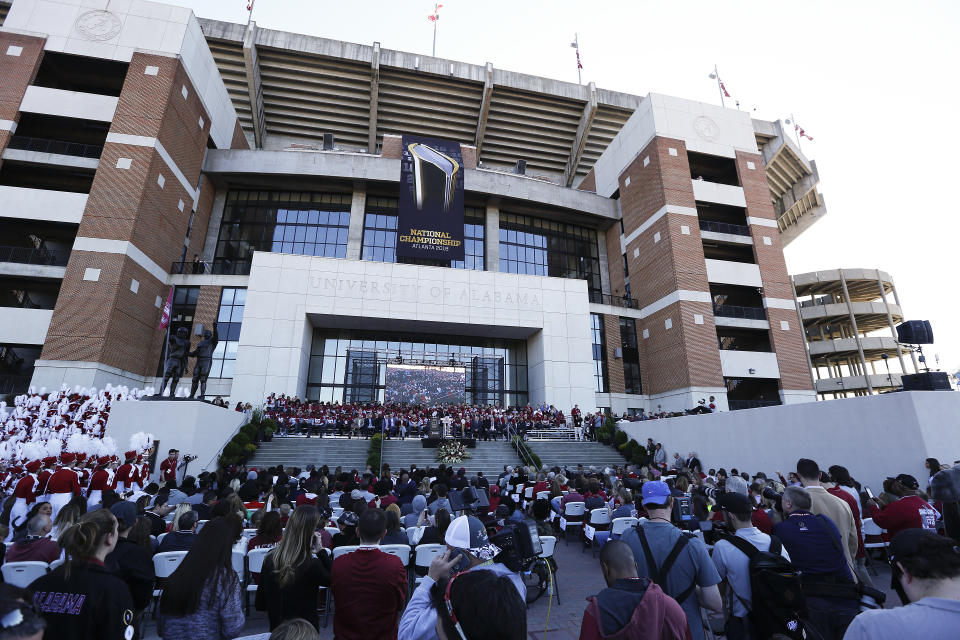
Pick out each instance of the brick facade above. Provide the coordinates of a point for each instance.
(667, 257)
(788, 344)
(611, 333)
(136, 197)
(17, 74)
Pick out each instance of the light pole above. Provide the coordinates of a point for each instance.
(716, 76)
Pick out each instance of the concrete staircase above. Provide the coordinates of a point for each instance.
(570, 454)
(488, 457)
(299, 451)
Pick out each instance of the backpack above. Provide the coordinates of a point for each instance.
(777, 598)
(659, 576)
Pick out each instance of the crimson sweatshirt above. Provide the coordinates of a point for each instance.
(909, 512)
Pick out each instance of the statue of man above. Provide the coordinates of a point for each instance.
(177, 347)
(204, 355)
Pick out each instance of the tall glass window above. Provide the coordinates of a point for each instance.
(350, 366)
(599, 353)
(540, 247)
(303, 223)
(631, 356)
(232, 301)
(380, 236)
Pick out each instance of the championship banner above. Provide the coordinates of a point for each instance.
(430, 223)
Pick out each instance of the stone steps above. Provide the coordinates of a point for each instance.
(570, 454)
(488, 457)
(299, 451)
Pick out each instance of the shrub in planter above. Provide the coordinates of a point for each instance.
(250, 449)
(268, 423)
(620, 438)
(231, 452)
(241, 439)
(267, 434)
(373, 451)
(251, 431)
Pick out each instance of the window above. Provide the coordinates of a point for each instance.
(631, 356)
(535, 246)
(302, 223)
(350, 365)
(380, 236)
(232, 302)
(599, 353)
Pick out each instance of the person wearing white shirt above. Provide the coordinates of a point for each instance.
(734, 565)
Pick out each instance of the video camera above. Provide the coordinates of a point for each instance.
(772, 494)
(682, 514)
(519, 544)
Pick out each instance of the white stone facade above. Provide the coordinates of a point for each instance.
(289, 295)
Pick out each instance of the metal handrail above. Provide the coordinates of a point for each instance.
(724, 227)
(31, 255)
(521, 448)
(617, 301)
(62, 147)
(219, 267)
(747, 313)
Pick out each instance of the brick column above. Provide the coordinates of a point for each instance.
(135, 222)
(680, 350)
(20, 58)
(786, 330)
(611, 333)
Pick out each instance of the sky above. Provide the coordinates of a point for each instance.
(864, 79)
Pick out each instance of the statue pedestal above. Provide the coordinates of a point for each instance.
(195, 428)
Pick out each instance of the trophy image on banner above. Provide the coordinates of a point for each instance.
(435, 176)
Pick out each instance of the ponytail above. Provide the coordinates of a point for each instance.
(81, 539)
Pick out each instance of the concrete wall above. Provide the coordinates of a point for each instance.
(288, 294)
(195, 428)
(69, 104)
(42, 204)
(24, 326)
(873, 436)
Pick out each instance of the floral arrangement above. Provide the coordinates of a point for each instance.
(452, 452)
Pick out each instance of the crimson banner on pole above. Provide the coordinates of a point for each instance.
(430, 223)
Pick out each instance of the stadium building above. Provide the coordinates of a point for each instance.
(620, 251)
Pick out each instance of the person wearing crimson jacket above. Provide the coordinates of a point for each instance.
(24, 495)
(63, 484)
(168, 468)
(99, 482)
(909, 511)
(44, 477)
(125, 474)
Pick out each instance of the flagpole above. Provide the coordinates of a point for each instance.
(250, 12)
(436, 17)
(719, 86)
(576, 41)
(796, 132)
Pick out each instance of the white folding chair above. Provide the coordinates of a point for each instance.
(21, 574)
(870, 528)
(255, 560)
(56, 563)
(200, 524)
(424, 555)
(238, 561)
(619, 526)
(248, 534)
(543, 495)
(332, 530)
(548, 544)
(572, 510)
(599, 522)
(161, 537)
(528, 493)
(402, 551)
(342, 551)
(164, 564)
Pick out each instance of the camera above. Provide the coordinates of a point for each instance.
(771, 494)
(519, 544)
(709, 492)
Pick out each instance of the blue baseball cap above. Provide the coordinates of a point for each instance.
(655, 492)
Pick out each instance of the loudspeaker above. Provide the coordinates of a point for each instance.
(328, 142)
(915, 332)
(926, 381)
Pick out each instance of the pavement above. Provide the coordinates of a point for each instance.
(578, 576)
